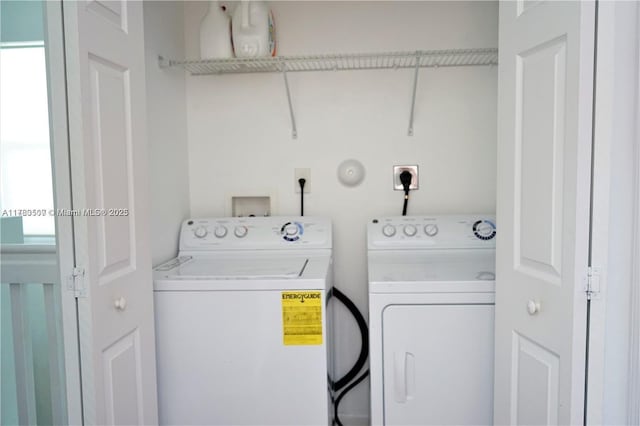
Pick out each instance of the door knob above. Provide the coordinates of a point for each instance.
(533, 307)
(120, 303)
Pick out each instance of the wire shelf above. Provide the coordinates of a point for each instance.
(340, 62)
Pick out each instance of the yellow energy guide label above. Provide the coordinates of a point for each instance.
(302, 317)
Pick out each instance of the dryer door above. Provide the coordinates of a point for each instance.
(438, 364)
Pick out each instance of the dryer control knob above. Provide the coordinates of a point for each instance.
(389, 230)
(220, 231)
(431, 229)
(200, 232)
(409, 230)
(484, 229)
(240, 231)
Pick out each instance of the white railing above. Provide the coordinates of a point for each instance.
(32, 352)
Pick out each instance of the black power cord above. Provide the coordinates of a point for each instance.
(302, 181)
(405, 179)
(343, 382)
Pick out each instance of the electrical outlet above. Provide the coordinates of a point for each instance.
(302, 174)
(397, 185)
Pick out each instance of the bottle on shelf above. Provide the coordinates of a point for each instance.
(215, 35)
(253, 30)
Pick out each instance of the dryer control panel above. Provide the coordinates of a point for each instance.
(255, 233)
(437, 232)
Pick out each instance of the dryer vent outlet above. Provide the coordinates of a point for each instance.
(397, 170)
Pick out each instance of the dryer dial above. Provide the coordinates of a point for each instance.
(409, 230)
(484, 230)
(431, 229)
(240, 231)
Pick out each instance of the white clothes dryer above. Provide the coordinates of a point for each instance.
(431, 313)
(241, 327)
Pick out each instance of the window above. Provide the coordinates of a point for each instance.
(25, 153)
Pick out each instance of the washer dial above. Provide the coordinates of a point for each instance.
(484, 229)
(291, 231)
(220, 231)
(200, 232)
(389, 230)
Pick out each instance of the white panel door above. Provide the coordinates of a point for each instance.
(544, 154)
(106, 96)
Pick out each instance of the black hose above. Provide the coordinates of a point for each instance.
(362, 358)
(336, 404)
(364, 335)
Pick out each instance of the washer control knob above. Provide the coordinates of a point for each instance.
(389, 230)
(200, 232)
(409, 230)
(431, 229)
(220, 231)
(240, 231)
(291, 229)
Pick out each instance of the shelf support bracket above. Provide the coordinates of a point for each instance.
(294, 130)
(413, 97)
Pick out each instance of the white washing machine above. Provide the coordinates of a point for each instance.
(431, 313)
(241, 326)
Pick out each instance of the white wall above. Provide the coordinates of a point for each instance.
(167, 128)
(239, 131)
(613, 325)
(623, 140)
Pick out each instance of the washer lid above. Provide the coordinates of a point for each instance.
(230, 268)
(441, 266)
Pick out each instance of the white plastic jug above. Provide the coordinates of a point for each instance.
(215, 37)
(253, 30)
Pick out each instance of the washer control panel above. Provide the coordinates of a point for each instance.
(438, 231)
(255, 233)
